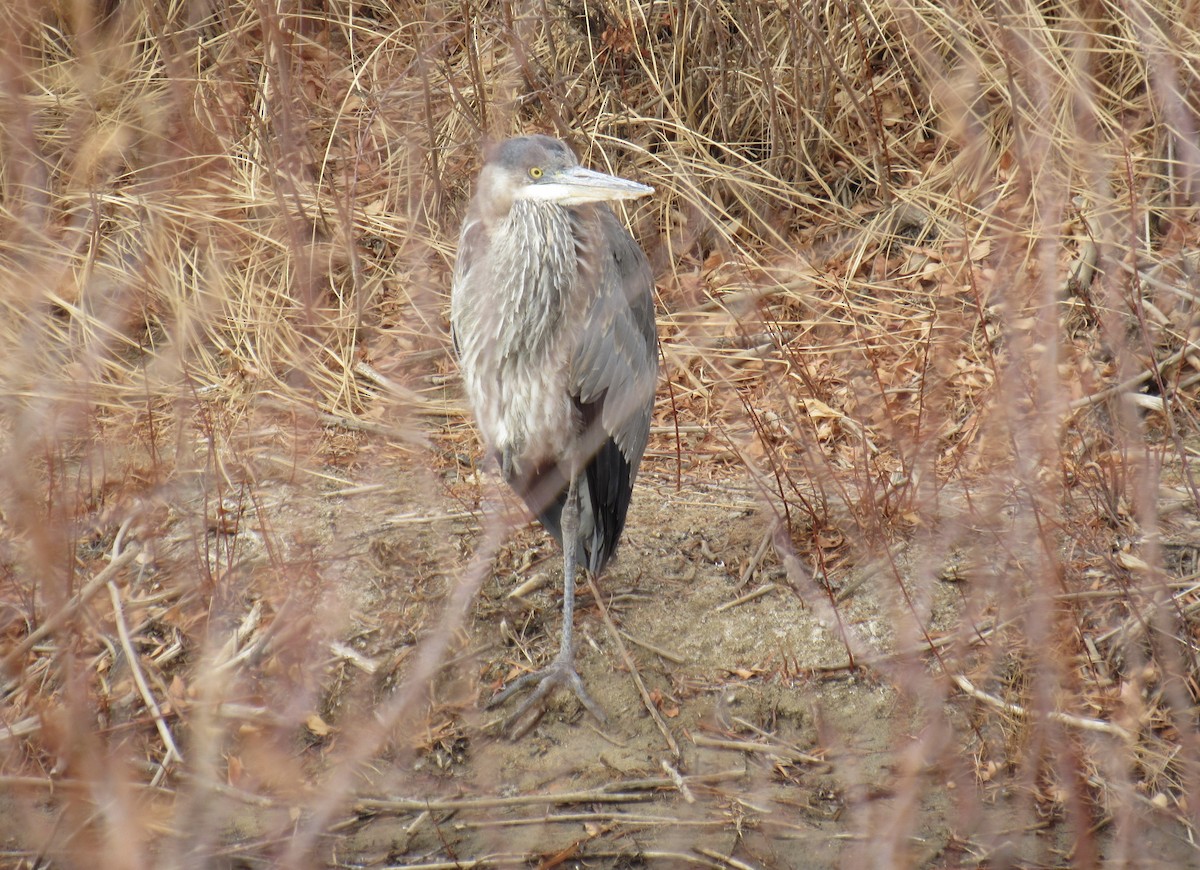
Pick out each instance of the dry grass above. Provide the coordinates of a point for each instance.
(928, 275)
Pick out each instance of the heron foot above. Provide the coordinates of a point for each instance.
(558, 674)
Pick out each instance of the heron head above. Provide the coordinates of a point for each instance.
(543, 169)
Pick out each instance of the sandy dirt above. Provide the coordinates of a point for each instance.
(764, 672)
(770, 749)
(779, 754)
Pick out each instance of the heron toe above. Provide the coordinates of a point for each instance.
(558, 674)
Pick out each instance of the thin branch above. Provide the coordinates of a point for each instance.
(139, 678)
(1054, 715)
(647, 701)
(55, 620)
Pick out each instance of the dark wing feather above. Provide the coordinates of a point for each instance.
(544, 491)
(610, 476)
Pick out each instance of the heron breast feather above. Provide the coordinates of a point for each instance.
(526, 412)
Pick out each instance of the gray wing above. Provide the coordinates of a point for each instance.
(613, 373)
(472, 245)
(616, 362)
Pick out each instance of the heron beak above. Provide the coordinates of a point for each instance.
(576, 186)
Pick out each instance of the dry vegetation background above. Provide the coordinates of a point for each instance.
(927, 287)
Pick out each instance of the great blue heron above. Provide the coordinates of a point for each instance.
(553, 323)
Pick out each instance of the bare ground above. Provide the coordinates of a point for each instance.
(776, 752)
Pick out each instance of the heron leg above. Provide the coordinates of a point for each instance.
(570, 533)
(561, 671)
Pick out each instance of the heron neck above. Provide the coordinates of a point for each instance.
(536, 272)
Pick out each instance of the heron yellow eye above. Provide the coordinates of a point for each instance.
(536, 172)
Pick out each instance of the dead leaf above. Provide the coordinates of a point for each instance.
(317, 725)
(234, 770)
